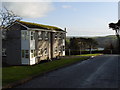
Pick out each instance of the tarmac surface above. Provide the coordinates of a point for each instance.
(97, 72)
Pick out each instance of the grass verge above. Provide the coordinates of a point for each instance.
(90, 54)
(16, 73)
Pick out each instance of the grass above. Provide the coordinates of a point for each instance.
(15, 73)
(90, 54)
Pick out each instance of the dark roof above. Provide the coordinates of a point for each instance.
(39, 26)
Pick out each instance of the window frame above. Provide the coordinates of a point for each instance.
(31, 35)
(45, 51)
(55, 50)
(46, 34)
(40, 35)
(56, 35)
(25, 53)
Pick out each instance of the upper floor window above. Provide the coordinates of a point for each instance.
(39, 35)
(60, 36)
(32, 35)
(46, 35)
(3, 52)
(63, 36)
(56, 35)
(3, 34)
(25, 35)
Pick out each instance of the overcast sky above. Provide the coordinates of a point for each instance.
(80, 18)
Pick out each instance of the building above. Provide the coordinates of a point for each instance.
(28, 43)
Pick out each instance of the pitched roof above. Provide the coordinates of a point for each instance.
(40, 26)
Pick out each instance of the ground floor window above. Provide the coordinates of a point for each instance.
(40, 51)
(45, 51)
(63, 48)
(33, 53)
(25, 53)
(55, 50)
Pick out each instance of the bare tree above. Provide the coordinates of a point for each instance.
(7, 17)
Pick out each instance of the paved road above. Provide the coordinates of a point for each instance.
(98, 72)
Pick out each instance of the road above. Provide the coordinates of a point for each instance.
(97, 72)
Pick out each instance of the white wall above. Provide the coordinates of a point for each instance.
(25, 45)
(32, 47)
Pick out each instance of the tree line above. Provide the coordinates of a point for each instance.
(79, 45)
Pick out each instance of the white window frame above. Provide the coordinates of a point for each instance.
(32, 35)
(40, 35)
(56, 35)
(60, 36)
(25, 35)
(63, 48)
(46, 35)
(40, 52)
(55, 50)
(25, 53)
(45, 51)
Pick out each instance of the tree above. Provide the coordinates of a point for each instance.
(116, 27)
(7, 17)
(91, 44)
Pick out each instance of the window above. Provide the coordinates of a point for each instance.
(60, 36)
(24, 35)
(39, 35)
(3, 52)
(40, 52)
(32, 36)
(32, 55)
(55, 49)
(63, 48)
(25, 53)
(60, 49)
(46, 35)
(4, 34)
(56, 35)
(45, 51)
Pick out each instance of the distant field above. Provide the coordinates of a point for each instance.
(15, 73)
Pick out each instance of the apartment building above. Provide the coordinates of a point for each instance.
(28, 43)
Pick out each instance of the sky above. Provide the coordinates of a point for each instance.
(80, 18)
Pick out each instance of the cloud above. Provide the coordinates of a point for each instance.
(66, 6)
(30, 9)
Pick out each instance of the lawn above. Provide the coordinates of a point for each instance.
(89, 54)
(14, 73)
